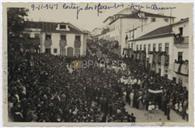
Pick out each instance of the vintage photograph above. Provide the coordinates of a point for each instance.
(98, 63)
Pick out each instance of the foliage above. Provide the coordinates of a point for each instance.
(16, 21)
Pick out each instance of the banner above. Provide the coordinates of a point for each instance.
(184, 68)
(155, 91)
(176, 67)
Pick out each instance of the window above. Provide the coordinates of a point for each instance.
(154, 47)
(133, 34)
(167, 48)
(32, 35)
(148, 47)
(166, 19)
(132, 45)
(48, 36)
(55, 50)
(47, 50)
(63, 37)
(78, 38)
(140, 47)
(77, 51)
(36, 35)
(144, 47)
(27, 35)
(160, 47)
(181, 30)
(62, 26)
(128, 45)
(180, 56)
(137, 47)
(126, 38)
(153, 19)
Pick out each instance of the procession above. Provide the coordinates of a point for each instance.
(94, 93)
(133, 69)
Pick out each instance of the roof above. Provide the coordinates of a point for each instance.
(135, 15)
(181, 21)
(148, 14)
(51, 26)
(162, 31)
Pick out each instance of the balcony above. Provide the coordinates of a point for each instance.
(181, 40)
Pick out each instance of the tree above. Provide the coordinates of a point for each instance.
(16, 21)
(16, 25)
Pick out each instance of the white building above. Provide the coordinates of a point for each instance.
(165, 50)
(96, 31)
(126, 20)
(58, 38)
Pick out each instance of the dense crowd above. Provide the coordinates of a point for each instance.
(41, 88)
(149, 91)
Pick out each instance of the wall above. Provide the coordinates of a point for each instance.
(149, 27)
(185, 28)
(158, 41)
(70, 43)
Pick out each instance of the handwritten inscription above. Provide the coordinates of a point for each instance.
(99, 7)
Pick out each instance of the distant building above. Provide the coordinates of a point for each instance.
(58, 38)
(127, 20)
(164, 50)
(96, 31)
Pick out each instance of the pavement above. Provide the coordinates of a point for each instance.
(155, 116)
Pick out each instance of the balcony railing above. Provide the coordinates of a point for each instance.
(181, 40)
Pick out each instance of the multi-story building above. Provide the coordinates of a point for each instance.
(128, 19)
(165, 50)
(57, 38)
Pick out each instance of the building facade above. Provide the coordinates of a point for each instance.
(58, 38)
(164, 50)
(121, 24)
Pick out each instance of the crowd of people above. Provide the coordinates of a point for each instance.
(150, 91)
(41, 88)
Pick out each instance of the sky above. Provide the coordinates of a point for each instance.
(88, 18)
